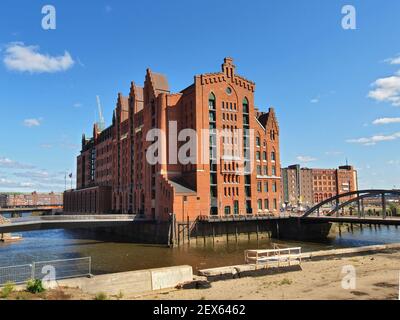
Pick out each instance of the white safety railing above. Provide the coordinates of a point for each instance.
(47, 270)
(274, 257)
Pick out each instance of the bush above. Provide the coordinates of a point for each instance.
(35, 286)
(7, 290)
(100, 296)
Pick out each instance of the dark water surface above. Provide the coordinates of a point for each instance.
(110, 256)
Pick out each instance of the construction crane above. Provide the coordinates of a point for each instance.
(101, 123)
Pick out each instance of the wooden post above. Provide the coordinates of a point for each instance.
(179, 234)
(383, 206)
(204, 237)
(236, 233)
(257, 231)
(188, 229)
(213, 234)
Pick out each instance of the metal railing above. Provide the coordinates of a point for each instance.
(47, 270)
(72, 218)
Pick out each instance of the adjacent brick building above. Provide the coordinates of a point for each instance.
(213, 180)
(30, 199)
(306, 187)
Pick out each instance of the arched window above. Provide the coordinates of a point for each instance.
(211, 101)
(245, 105)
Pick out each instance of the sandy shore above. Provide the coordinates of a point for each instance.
(377, 277)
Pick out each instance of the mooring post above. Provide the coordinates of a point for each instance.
(337, 207)
(197, 229)
(383, 206)
(179, 234)
(362, 208)
(213, 234)
(236, 232)
(257, 231)
(188, 229)
(359, 205)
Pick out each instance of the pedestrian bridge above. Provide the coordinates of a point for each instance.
(356, 207)
(64, 222)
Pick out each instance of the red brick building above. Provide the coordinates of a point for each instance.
(30, 199)
(214, 179)
(305, 186)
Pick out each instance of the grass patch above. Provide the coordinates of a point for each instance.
(101, 296)
(285, 281)
(7, 290)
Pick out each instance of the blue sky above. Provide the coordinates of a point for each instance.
(328, 85)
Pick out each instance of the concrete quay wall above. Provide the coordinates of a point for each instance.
(133, 282)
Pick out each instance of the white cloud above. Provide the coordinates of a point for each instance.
(370, 141)
(333, 153)
(46, 146)
(305, 159)
(22, 58)
(32, 122)
(395, 60)
(386, 90)
(8, 163)
(6, 183)
(394, 162)
(315, 100)
(386, 121)
(77, 105)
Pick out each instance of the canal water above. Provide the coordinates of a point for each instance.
(111, 256)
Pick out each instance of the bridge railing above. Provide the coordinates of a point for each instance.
(46, 270)
(73, 218)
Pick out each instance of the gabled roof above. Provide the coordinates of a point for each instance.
(158, 81)
(180, 189)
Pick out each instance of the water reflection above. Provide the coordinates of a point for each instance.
(112, 256)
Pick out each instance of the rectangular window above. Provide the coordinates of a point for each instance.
(236, 207)
(259, 203)
(266, 204)
(259, 189)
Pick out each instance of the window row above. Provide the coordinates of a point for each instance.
(263, 171)
(263, 186)
(231, 191)
(260, 203)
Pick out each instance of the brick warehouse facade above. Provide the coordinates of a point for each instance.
(309, 186)
(220, 183)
